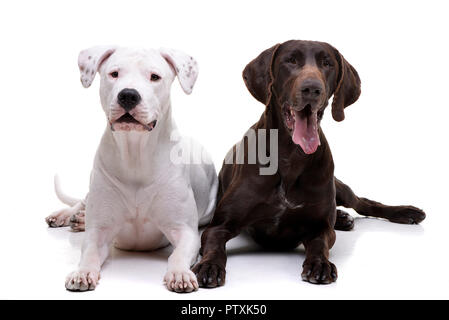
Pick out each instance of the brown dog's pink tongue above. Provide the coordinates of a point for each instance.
(305, 132)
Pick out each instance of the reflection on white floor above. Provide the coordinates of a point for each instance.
(378, 259)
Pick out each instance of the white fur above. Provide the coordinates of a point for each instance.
(138, 199)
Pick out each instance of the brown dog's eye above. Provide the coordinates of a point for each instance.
(114, 74)
(292, 60)
(326, 63)
(154, 77)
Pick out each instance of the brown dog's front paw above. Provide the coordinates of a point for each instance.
(407, 215)
(319, 271)
(209, 274)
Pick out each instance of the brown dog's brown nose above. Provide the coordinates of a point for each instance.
(311, 89)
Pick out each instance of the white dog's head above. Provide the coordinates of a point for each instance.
(135, 83)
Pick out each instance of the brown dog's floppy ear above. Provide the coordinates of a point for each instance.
(348, 88)
(258, 76)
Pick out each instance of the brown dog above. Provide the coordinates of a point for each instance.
(298, 203)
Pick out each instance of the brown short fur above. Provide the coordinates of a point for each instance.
(258, 204)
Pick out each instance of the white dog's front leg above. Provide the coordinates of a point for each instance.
(186, 243)
(94, 252)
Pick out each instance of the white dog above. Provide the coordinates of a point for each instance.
(138, 198)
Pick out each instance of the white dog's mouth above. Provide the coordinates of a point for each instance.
(128, 123)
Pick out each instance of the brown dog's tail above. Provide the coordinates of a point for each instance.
(400, 214)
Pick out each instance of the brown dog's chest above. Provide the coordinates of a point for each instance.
(283, 221)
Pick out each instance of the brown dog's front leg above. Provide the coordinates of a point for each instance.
(211, 270)
(230, 217)
(317, 268)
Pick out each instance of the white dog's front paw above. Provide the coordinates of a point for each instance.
(181, 281)
(82, 280)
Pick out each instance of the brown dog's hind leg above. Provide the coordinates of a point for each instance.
(344, 222)
(400, 214)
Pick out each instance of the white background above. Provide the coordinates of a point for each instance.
(392, 147)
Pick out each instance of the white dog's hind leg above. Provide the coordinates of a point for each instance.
(186, 243)
(61, 218)
(77, 221)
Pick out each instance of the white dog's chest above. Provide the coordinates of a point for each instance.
(139, 230)
(139, 235)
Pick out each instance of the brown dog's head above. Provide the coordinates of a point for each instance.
(301, 76)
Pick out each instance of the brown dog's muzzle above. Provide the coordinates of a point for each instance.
(309, 89)
(305, 112)
(311, 92)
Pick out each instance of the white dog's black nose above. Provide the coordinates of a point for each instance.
(128, 98)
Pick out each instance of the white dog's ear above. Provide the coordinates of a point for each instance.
(185, 66)
(90, 60)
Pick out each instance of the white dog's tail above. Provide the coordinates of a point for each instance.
(63, 197)
(208, 213)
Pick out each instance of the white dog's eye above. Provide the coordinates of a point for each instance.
(154, 77)
(114, 74)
